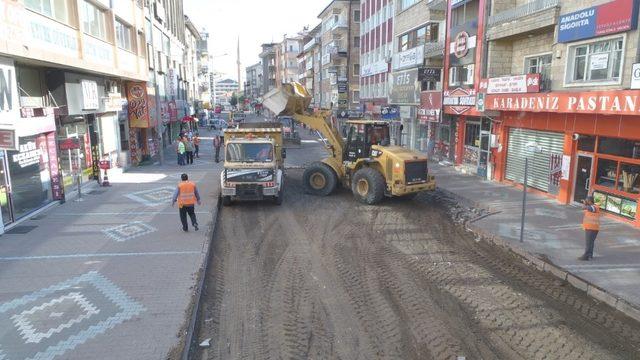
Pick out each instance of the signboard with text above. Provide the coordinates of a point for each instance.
(138, 105)
(404, 87)
(90, 99)
(430, 106)
(528, 83)
(9, 105)
(374, 68)
(409, 58)
(618, 102)
(609, 18)
(635, 76)
(459, 100)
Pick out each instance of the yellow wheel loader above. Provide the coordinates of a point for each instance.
(365, 162)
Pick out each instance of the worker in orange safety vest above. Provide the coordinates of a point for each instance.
(187, 196)
(591, 225)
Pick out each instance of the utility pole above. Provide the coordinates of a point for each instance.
(239, 64)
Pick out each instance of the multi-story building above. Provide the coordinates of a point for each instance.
(268, 60)
(165, 28)
(253, 82)
(204, 72)
(309, 64)
(339, 58)
(287, 59)
(556, 83)
(414, 86)
(223, 90)
(376, 48)
(65, 72)
(191, 65)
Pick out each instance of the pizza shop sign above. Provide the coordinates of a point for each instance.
(588, 102)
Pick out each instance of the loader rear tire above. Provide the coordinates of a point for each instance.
(319, 179)
(368, 186)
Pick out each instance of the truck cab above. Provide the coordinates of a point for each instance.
(253, 164)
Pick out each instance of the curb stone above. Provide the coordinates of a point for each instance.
(589, 288)
(200, 276)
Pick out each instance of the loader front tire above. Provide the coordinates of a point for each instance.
(319, 179)
(368, 186)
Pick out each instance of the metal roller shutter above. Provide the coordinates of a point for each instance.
(539, 162)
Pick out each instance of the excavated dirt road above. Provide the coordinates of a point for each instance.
(329, 278)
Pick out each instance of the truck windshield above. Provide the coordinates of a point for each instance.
(247, 152)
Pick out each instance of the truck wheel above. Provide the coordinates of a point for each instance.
(278, 199)
(368, 186)
(319, 179)
(226, 200)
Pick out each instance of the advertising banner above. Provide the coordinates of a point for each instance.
(620, 102)
(429, 74)
(138, 105)
(390, 112)
(90, 99)
(374, 68)
(409, 58)
(430, 106)
(9, 105)
(404, 87)
(610, 18)
(528, 83)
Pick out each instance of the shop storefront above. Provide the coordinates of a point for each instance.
(404, 92)
(28, 158)
(581, 149)
(142, 137)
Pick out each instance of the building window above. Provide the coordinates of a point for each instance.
(540, 64)
(355, 96)
(356, 15)
(595, 62)
(461, 75)
(405, 4)
(464, 13)
(57, 9)
(93, 20)
(403, 44)
(356, 69)
(123, 36)
(472, 135)
(619, 147)
(356, 41)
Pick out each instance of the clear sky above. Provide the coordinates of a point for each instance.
(254, 21)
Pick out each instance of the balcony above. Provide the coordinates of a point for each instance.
(341, 24)
(434, 49)
(524, 19)
(437, 5)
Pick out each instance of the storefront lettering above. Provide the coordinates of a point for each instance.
(616, 103)
(29, 155)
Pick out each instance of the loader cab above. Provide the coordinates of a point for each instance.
(361, 135)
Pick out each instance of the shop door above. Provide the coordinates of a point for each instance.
(5, 193)
(582, 184)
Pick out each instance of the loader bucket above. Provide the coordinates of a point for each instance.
(291, 98)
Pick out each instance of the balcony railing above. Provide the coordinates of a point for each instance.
(433, 49)
(521, 11)
(340, 24)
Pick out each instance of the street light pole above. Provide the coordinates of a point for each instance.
(524, 197)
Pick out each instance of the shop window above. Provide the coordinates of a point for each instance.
(587, 143)
(619, 147)
(472, 135)
(444, 132)
(617, 205)
(629, 180)
(595, 62)
(56, 9)
(607, 171)
(93, 19)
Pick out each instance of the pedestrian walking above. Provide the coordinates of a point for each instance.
(188, 143)
(187, 196)
(591, 225)
(180, 150)
(196, 145)
(217, 142)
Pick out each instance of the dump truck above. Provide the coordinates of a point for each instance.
(253, 163)
(364, 162)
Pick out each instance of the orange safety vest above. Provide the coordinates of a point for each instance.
(591, 220)
(186, 194)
